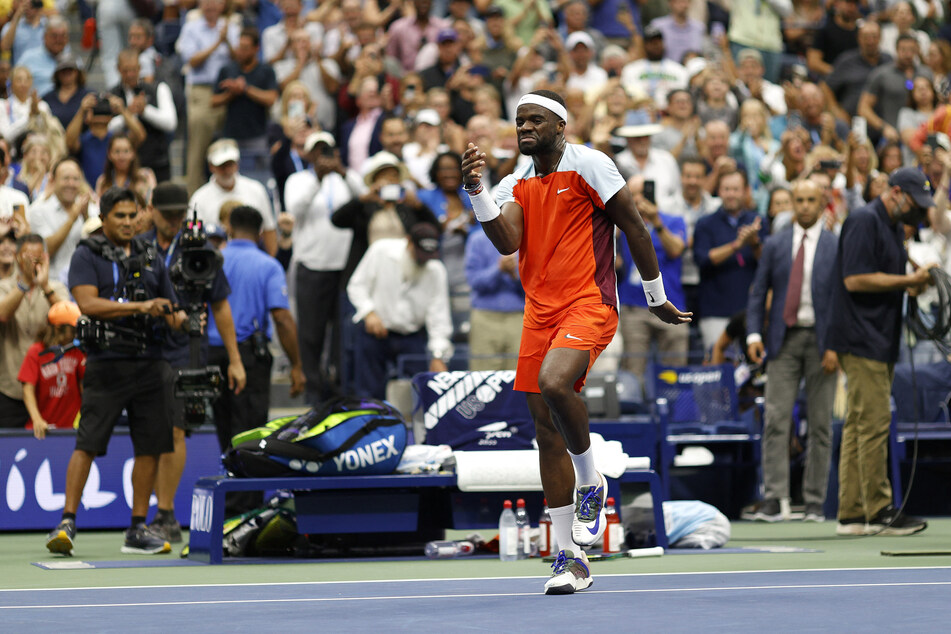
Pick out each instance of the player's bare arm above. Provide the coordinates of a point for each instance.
(622, 211)
(505, 230)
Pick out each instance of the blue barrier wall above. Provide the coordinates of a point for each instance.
(33, 480)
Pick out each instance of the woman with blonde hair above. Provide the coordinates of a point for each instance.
(298, 118)
(35, 166)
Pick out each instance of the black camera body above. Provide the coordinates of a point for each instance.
(193, 276)
(102, 107)
(107, 336)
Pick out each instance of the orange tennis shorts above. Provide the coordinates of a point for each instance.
(587, 327)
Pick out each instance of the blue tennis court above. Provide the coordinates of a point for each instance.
(873, 599)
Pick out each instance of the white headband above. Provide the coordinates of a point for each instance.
(545, 102)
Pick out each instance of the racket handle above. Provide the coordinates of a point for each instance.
(656, 551)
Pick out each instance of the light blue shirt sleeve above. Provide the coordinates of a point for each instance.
(276, 287)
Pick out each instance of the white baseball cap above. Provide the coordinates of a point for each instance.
(318, 137)
(222, 151)
(579, 37)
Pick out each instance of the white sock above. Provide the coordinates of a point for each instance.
(561, 518)
(585, 473)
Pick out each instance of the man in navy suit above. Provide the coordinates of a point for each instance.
(798, 264)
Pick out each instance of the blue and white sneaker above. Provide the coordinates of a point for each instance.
(569, 574)
(587, 526)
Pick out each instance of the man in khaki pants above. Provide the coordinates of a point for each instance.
(205, 45)
(866, 333)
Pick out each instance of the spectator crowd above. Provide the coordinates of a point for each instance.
(342, 123)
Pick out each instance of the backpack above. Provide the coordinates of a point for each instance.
(344, 436)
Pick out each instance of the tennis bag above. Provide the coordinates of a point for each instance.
(344, 436)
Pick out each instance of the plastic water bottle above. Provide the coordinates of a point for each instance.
(544, 531)
(613, 531)
(508, 533)
(524, 530)
(445, 549)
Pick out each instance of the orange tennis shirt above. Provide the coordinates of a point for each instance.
(566, 257)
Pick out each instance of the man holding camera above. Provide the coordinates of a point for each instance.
(638, 326)
(170, 205)
(320, 251)
(124, 288)
(91, 146)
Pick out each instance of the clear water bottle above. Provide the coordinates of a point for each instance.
(508, 533)
(524, 530)
(613, 531)
(544, 531)
(445, 549)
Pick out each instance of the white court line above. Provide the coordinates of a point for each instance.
(434, 580)
(481, 595)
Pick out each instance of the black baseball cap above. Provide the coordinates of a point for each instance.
(914, 183)
(651, 32)
(170, 199)
(425, 237)
(494, 11)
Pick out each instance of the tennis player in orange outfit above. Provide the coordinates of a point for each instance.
(560, 214)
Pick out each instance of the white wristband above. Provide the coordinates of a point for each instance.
(483, 206)
(654, 291)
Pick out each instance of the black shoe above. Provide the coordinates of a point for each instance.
(813, 513)
(769, 511)
(142, 541)
(60, 539)
(167, 527)
(889, 521)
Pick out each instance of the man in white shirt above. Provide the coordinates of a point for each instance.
(585, 75)
(750, 69)
(276, 39)
(60, 217)
(654, 74)
(320, 254)
(20, 108)
(227, 184)
(400, 292)
(654, 164)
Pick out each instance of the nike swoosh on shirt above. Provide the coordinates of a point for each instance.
(562, 190)
(567, 336)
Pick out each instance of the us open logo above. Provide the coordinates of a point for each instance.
(466, 392)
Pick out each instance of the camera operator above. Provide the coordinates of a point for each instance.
(170, 203)
(260, 291)
(121, 284)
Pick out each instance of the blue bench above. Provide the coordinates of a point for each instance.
(351, 504)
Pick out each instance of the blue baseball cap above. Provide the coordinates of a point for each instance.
(913, 182)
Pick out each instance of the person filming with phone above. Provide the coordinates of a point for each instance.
(639, 329)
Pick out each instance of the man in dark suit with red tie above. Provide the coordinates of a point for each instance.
(798, 264)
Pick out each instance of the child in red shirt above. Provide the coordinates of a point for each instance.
(52, 391)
